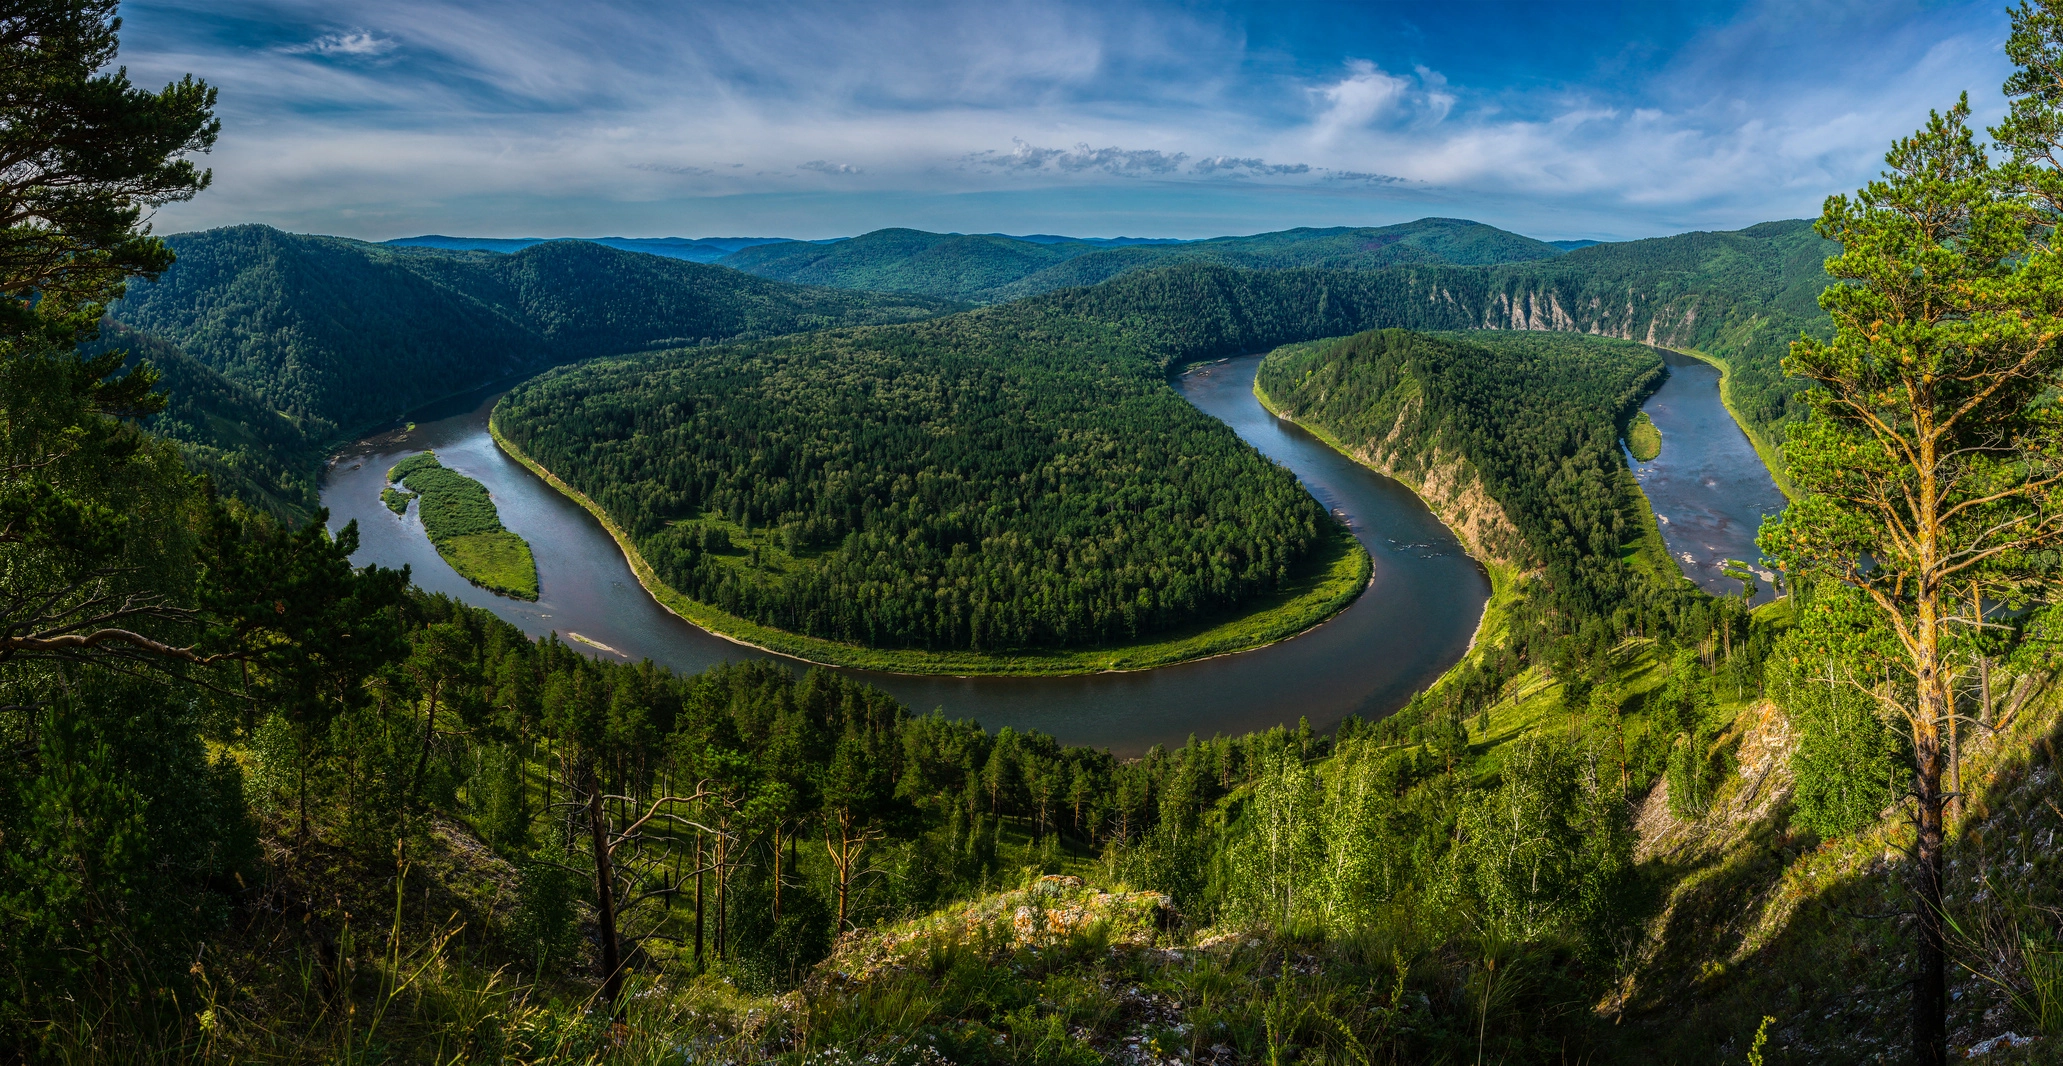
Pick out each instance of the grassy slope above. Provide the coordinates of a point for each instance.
(1326, 584)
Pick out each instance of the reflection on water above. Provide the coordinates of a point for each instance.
(1413, 622)
(1709, 489)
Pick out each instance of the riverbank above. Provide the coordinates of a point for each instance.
(1503, 579)
(1325, 584)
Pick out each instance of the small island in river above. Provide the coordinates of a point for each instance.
(461, 521)
(1643, 438)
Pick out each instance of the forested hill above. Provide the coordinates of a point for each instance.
(1018, 477)
(1742, 295)
(1533, 418)
(990, 268)
(1004, 480)
(340, 333)
(253, 452)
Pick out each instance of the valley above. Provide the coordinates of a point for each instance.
(1411, 623)
(1370, 641)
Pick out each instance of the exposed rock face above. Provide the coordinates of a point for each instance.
(1448, 484)
(1668, 323)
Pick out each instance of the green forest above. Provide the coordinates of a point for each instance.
(927, 486)
(306, 322)
(990, 268)
(269, 805)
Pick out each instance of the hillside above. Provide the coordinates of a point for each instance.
(1474, 419)
(949, 265)
(992, 268)
(339, 334)
(1006, 481)
(252, 452)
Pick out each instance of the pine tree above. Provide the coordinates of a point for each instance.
(1929, 465)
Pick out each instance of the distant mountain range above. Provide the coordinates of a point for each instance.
(997, 267)
(692, 249)
(275, 344)
(712, 249)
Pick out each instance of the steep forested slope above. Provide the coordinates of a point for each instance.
(339, 333)
(252, 451)
(991, 269)
(1532, 417)
(1742, 295)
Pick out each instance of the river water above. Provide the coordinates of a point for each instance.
(1414, 621)
(1708, 488)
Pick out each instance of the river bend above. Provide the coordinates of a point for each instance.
(1414, 621)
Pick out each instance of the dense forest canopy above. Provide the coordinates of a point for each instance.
(249, 449)
(339, 333)
(1002, 480)
(1536, 416)
(267, 806)
(1008, 478)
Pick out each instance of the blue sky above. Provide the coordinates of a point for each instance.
(386, 118)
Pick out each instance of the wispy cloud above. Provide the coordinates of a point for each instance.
(1025, 157)
(359, 43)
(527, 116)
(1362, 176)
(1225, 164)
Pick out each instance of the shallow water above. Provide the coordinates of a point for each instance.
(1413, 622)
(1708, 488)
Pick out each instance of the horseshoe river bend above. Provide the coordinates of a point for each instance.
(1413, 622)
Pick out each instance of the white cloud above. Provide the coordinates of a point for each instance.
(604, 111)
(1358, 99)
(359, 43)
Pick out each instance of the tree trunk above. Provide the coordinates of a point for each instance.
(777, 873)
(1930, 1003)
(422, 761)
(698, 899)
(605, 893)
(723, 872)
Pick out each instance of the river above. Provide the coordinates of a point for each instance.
(1708, 488)
(1413, 622)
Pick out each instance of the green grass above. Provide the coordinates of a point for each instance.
(461, 521)
(1321, 586)
(1644, 438)
(499, 562)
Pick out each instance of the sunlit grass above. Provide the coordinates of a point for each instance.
(1644, 438)
(499, 562)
